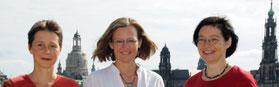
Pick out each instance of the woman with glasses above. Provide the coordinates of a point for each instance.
(45, 44)
(123, 42)
(216, 41)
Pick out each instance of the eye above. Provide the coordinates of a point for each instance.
(40, 45)
(119, 41)
(53, 46)
(213, 39)
(132, 41)
(201, 40)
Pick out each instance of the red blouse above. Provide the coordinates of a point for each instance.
(25, 81)
(236, 77)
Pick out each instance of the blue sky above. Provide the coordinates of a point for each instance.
(165, 21)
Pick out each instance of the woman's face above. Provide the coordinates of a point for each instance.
(211, 44)
(45, 49)
(125, 44)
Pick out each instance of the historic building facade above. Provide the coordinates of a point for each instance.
(267, 75)
(172, 78)
(76, 62)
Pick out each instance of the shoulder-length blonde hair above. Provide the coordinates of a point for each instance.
(103, 50)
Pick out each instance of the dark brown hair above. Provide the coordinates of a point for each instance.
(48, 25)
(103, 50)
(224, 26)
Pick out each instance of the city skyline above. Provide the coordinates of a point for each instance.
(169, 22)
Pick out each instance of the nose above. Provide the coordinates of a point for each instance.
(125, 45)
(207, 43)
(47, 50)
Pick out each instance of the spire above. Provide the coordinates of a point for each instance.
(93, 67)
(271, 12)
(59, 69)
(271, 4)
(59, 64)
(76, 34)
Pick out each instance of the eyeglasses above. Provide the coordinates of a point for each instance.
(121, 42)
(202, 41)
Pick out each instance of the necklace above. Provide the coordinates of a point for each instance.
(128, 84)
(217, 74)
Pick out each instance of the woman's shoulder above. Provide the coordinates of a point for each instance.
(195, 77)
(240, 72)
(149, 78)
(105, 71)
(101, 77)
(64, 81)
(243, 76)
(20, 81)
(148, 73)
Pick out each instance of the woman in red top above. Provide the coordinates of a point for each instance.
(216, 40)
(45, 44)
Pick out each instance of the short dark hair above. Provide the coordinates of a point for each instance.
(224, 26)
(103, 50)
(48, 25)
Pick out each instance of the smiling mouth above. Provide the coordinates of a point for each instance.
(46, 59)
(125, 53)
(208, 52)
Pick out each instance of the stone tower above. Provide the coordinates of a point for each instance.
(165, 66)
(76, 62)
(269, 65)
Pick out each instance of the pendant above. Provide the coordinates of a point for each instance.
(129, 84)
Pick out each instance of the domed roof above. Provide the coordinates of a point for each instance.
(165, 50)
(271, 12)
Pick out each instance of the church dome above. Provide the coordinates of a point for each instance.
(271, 12)
(76, 62)
(165, 50)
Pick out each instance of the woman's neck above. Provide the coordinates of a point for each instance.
(43, 76)
(127, 72)
(216, 68)
(127, 69)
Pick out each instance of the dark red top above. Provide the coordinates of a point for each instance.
(236, 77)
(25, 81)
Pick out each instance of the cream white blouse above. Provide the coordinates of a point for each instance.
(110, 77)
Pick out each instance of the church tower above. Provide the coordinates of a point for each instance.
(268, 65)
(76, 62)
(165, 66)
